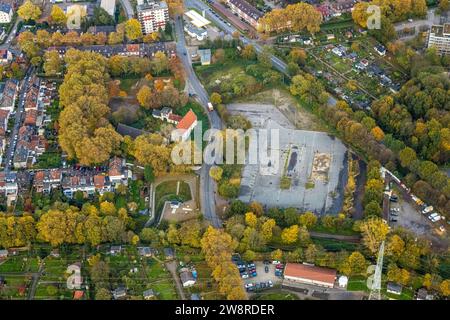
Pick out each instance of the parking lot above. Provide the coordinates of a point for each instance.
(412, 219)
(263, 276)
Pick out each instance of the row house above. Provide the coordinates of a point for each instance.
(245, 11)
(46, 180)
(4, 115)
(117, 171)
(129, 50)
(72, 184)
(8, 184)
(31, 96)
(9, 95)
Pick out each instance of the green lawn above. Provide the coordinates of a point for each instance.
(127, 83)
(14, 264)
(160, 280)
(167, 191)
(14, 283)
(281, 295)
(357, 283)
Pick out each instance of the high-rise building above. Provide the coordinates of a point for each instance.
(153, 16)
(439, 38)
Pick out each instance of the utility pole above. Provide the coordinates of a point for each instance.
(375, 291)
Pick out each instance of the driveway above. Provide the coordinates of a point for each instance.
(172, 267)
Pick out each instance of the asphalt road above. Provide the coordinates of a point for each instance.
(194, 86)
(17, 121)
(126, 4)
(11, 35)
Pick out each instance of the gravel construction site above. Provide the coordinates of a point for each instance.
(315, 163)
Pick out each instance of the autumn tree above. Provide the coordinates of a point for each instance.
(53, 64)
(160, 63)
(133, 29)
(57, 15)
(249, 52)
(251, 220)
(29, 11)
(290, 234)
(144, 96)
(308, 219)
(216, 98)
(374, 231)
(216, 172)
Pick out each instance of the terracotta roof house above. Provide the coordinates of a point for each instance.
(185, 126)
(309, 274)
(117, 171)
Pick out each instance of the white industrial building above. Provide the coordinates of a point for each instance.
(196, 19)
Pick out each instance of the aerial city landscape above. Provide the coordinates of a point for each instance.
(224, 150)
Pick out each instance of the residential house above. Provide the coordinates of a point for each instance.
(185, 126)
(166, 114)
(8, 184)
(117, 172)
(46, 180)
(115, 250)
(380, 49)
(169, 253)
(187, 279)
(394, 288)
(423, 294)
(102, 183)
(146, 252)
(9, 96)
(142, 50)
(245, 11)
(5, 56)
(72, 184)
(119, 293)
(148, 294)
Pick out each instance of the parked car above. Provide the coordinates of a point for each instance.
(279, 266)
(393, 220)
(276, 262)
(395, 214)
(270, 283)
(244, 276)
(248, 285)
(266, 269)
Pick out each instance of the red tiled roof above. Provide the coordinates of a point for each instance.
(187, 120)
(310, 272)
(99, 181)
(77, 295)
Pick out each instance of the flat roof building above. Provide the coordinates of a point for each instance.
(197, 19)
(439, 37)
(309, 274)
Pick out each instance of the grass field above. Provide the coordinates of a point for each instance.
(167, 191)
(160, 280)
(281, 295)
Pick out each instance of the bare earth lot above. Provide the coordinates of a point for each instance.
(313, 188)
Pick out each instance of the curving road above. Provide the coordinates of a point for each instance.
(128, 7)
(207, 185)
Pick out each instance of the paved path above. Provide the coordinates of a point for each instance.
(128, 7)
(353, 239)
(172, 267)
(35, 280)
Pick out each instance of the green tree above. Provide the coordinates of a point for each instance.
(149, 176)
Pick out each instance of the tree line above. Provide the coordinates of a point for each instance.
(66, 224)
